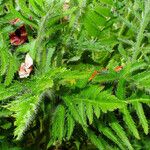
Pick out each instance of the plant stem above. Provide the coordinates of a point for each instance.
(124, 26)
(143, 25)
(39, 38)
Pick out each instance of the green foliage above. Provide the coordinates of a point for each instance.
(121, 133)
(27, 104)
(93, 97)
(97, 141)
(76, 96)
(142, 117)
(59, 123)
(130, 123)
(109, 134)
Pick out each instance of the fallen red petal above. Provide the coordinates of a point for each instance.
(93, 75)
(14, 21)
(24, 72)
(26, 67)
(19, 36)
(118, 68)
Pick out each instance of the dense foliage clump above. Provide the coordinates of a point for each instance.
(74, 74)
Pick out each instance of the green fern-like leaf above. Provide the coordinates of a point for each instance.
(97, 111)
(104, 100)
(81, 109)
(70, 125)
(142, 117)
(25, 109)
(130, 122)
(26, 105)
(97, 141)
(109, 134)
(121, 133)
(4, 60)
(138, 65)
(36, 7)
(12, 68)
(141, 76)
(58, 123)
(73, 109)
(120, 92)
(89, 112)
(6, 93)
(83, 104)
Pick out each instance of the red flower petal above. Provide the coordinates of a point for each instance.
(93, 75)
(24, 72)
(19, 36)
(26, 67)
(118, 68)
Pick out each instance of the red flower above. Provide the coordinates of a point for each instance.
(19, 36)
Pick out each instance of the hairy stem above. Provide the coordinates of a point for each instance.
(140, 36)
(37, 47)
